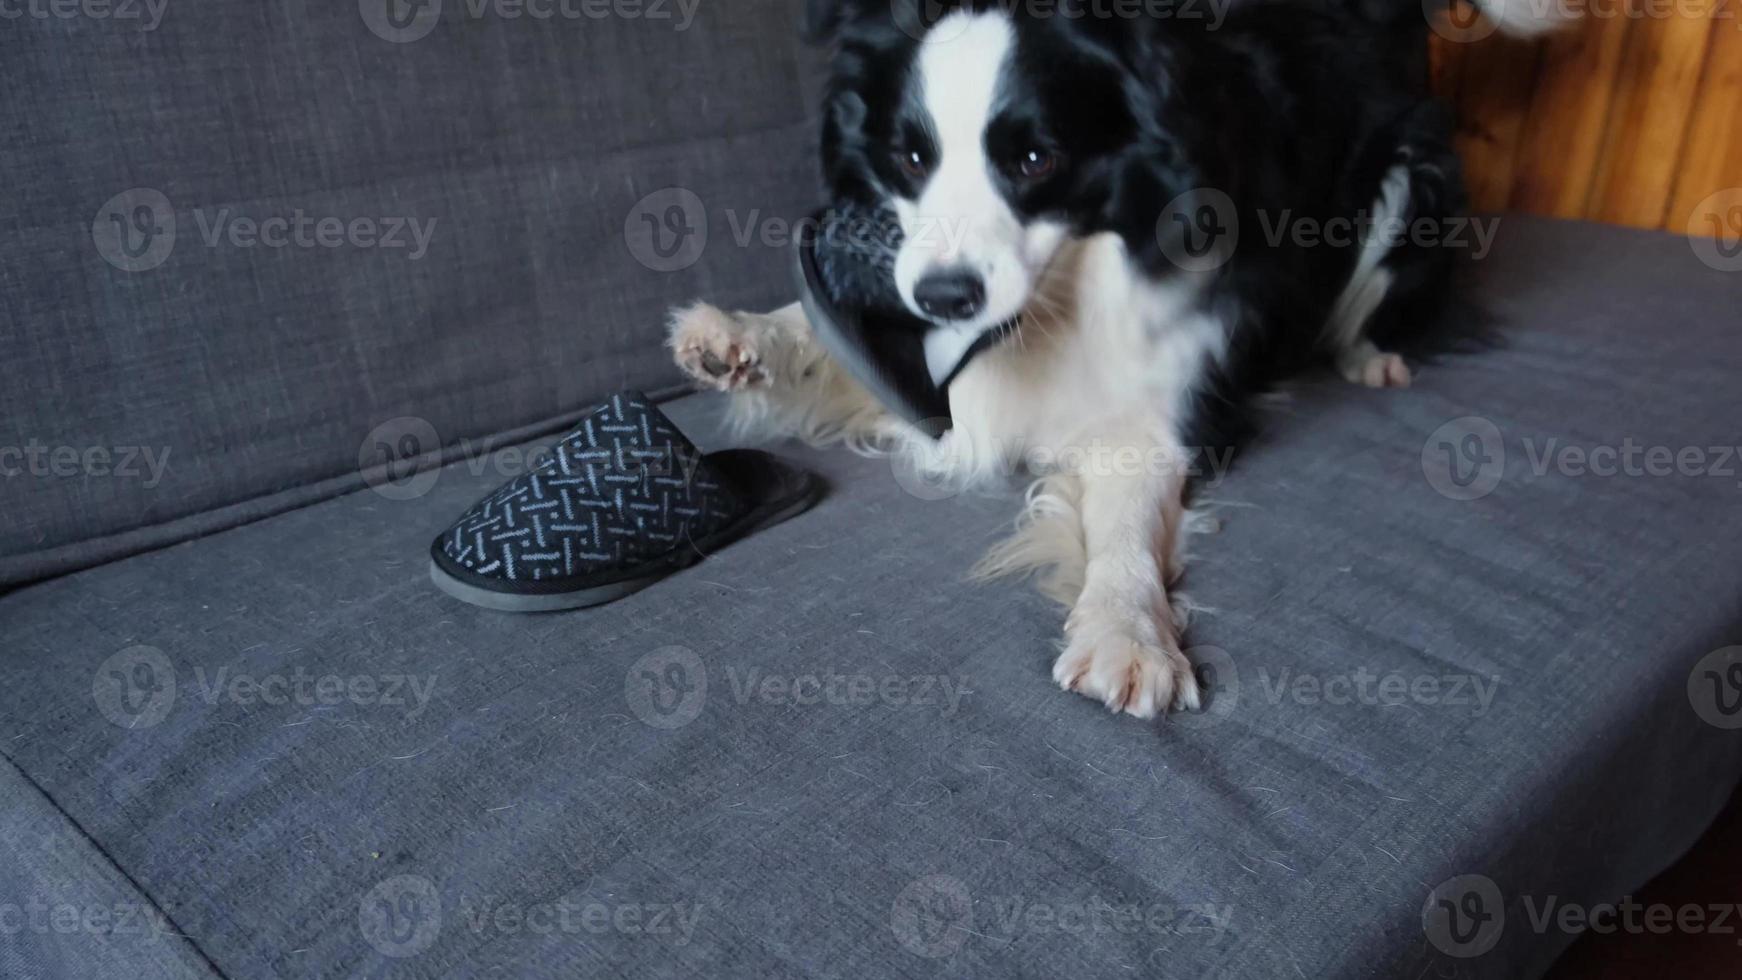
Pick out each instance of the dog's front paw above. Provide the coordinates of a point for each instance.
(1125, 672)
(1375, 369)
(716, 349)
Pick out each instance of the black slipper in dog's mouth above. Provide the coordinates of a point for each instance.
(623, 501)
(846, 281)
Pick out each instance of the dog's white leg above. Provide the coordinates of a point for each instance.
(782, 381)
(1121, 639)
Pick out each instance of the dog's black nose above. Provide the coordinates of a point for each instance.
(950, 294)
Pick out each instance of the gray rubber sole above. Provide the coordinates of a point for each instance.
(519, 603)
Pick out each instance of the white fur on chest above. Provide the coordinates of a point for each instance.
(1101, 345)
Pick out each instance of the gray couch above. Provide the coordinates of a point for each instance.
(1458, 674)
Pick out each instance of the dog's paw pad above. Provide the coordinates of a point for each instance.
(715, 349)
(1127, 674)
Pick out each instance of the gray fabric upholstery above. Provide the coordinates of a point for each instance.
(66, 911)
(976, 828)
(254, 375)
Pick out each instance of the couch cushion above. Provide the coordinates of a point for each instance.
(824, 753)
(507, 170)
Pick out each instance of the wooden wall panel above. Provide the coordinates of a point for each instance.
(1712, 159)
(1568, 119)
(1654, 98)
(1633, 116)
(1493, 100)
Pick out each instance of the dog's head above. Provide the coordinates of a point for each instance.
(995, 134)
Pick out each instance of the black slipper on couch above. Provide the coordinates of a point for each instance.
(623, 501)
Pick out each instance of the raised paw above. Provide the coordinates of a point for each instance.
(716, 349)
(1126, 673)
(1376, 369)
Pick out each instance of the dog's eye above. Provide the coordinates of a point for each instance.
(911, 162)
(1036, 164)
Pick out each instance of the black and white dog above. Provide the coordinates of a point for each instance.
(1082, 167)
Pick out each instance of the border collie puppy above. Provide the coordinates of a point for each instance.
(1113, 182)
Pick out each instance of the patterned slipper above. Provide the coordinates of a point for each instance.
(623, 501)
